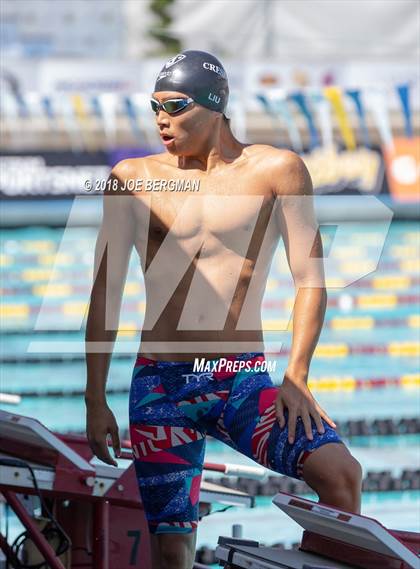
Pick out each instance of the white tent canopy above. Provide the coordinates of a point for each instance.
(310, 30)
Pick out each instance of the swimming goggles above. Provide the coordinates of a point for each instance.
(170, 106)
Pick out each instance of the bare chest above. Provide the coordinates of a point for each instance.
(220, 207)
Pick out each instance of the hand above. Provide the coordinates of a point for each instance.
(295, 395)
(100, 422)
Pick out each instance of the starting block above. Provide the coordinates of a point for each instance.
(97, 506)
(332, 538)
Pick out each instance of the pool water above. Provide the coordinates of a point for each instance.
(371, 331)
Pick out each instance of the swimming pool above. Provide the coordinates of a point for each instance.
(366, 365)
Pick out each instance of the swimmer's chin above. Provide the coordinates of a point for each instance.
(174, 150)
(171, 146)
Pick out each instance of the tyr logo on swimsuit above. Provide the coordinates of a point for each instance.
(196, 376)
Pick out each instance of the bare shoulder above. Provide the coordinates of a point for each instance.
(287, 172)
(272, 153)
(128, 169)
(117, 183)
(125, 174)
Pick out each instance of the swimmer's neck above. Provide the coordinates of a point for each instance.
(221, 148)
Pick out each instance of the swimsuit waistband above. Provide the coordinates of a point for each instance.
(142, 360)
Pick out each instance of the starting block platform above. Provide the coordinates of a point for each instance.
(97, 506)
(332, 538)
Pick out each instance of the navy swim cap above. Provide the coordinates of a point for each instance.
(199, 75)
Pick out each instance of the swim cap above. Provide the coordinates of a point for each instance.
(199, 75)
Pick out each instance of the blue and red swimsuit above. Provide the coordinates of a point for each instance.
(173, 408)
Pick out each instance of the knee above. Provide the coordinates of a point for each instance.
(352, 475)
(334, 470)
(346, 475)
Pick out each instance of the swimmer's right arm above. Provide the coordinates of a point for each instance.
(112, 253)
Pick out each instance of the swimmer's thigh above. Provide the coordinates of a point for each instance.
(168, 456)
(250, 419)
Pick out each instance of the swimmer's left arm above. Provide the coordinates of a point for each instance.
(296, 221)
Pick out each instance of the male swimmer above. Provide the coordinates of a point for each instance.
(205, 256)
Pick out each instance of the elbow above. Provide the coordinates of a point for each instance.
(310, 281)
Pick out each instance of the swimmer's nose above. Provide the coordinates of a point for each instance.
(162, 119)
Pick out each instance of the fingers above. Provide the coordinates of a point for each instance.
(306, 408)
(328, 419)
(292, 425)
(306, 415)
(318, 422)
(100, 450)
(306, 419)
(101, 423)
(98, 442)
(116, 444)
(280, 412)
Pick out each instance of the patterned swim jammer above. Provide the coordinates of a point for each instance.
(173, 407)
